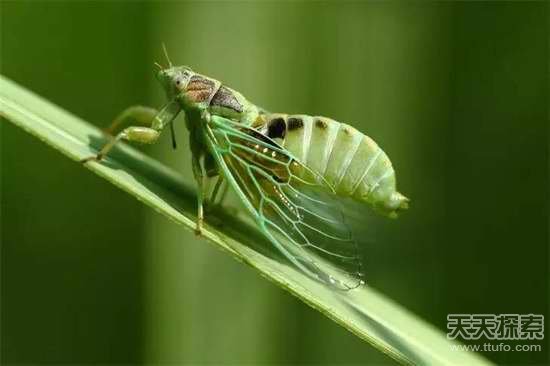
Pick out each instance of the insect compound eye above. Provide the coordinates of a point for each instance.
(179, 81)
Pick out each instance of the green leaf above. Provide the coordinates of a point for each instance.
(364, 311)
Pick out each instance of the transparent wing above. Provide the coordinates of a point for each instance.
(294, 206)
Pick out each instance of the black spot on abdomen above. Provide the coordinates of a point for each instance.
(319, 123)
(295, 123)
(276, 128)
(224, 98)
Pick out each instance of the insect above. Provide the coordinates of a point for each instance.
(288, 170)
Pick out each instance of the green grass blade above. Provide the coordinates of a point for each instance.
(365, 312)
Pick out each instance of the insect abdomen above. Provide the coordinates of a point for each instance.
(349, 160)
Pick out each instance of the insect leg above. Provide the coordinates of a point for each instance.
(197, 152)
(216, 190)
(199, 177)
(212, 170)
(136, 115)
(138, 134)
(142, 116)
(210, 166)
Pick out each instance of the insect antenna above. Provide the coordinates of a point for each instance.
(159, 66)
(173, 134)
(166, 55)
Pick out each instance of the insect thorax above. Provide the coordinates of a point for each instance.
(219, 99)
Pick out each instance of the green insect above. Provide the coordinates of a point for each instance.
(288, 170)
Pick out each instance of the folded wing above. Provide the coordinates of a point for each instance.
(293, 206)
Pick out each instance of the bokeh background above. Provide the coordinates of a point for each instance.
(456, 93)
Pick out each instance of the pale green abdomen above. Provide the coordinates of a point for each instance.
(351, 162)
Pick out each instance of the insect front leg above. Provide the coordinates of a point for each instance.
(145, 125)
(136, 115)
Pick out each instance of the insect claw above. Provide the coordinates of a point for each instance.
(198, 228)
(96, 158)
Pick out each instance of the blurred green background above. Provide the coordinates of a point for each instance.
(456, 93)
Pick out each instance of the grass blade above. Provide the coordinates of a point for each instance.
(365, 312)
